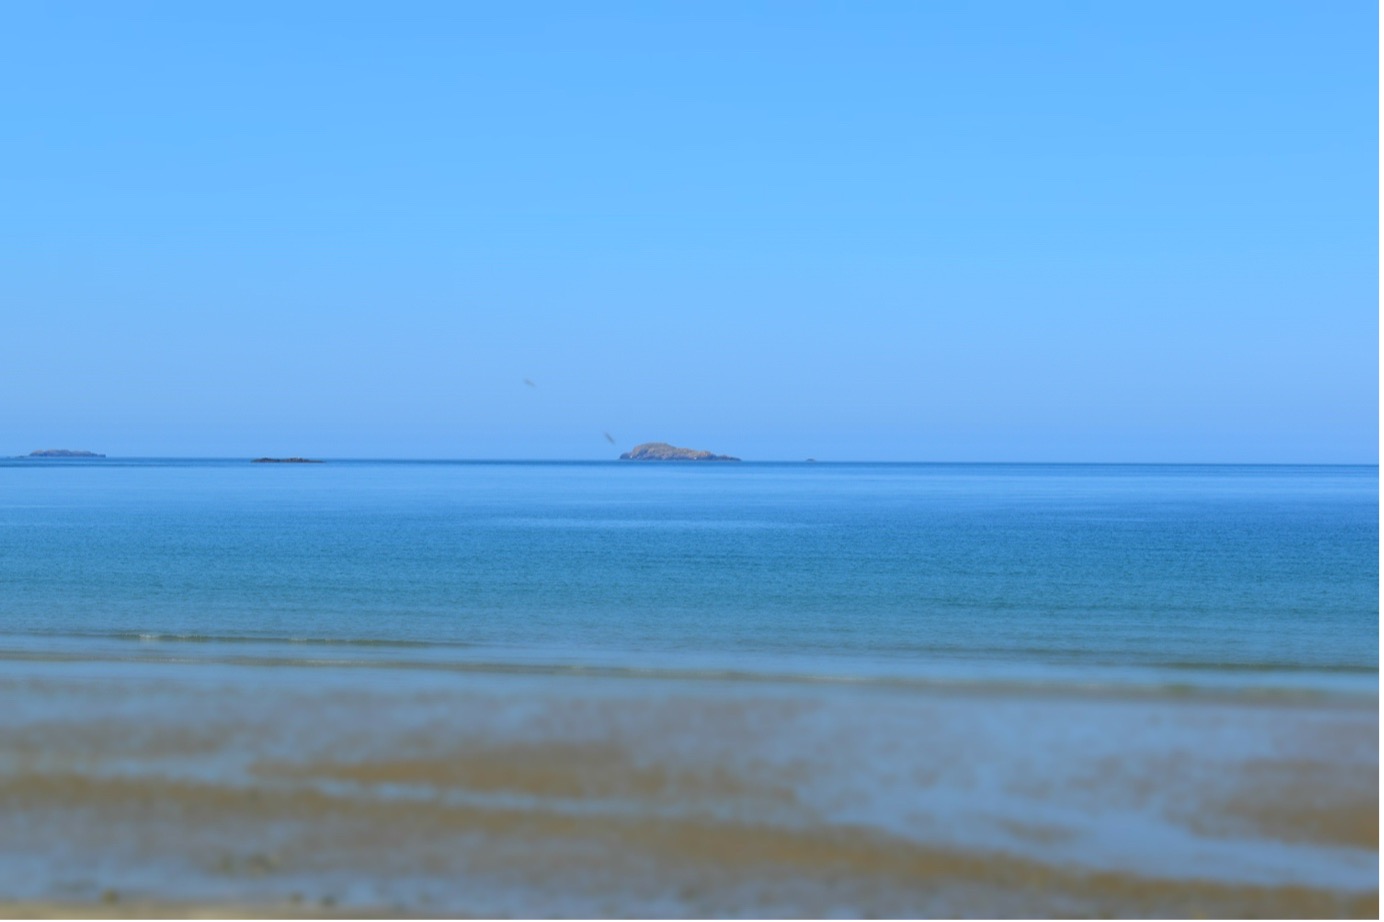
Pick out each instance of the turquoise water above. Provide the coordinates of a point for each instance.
(1254, 575)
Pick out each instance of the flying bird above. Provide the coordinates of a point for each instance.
(609, 438)
(529, 382)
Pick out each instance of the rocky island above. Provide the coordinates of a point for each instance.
(285, 461)
(63, 453)
(662, 451)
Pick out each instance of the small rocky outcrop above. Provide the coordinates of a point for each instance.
(662, 451)
(285, 461)
(63, 453)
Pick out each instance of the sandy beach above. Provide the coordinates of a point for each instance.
(185, 790)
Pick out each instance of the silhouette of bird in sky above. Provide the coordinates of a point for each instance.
(608, 437)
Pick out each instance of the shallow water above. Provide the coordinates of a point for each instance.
(392, 791)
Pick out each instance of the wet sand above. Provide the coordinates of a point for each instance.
(151, 790)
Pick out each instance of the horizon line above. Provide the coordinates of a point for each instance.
(454, 460)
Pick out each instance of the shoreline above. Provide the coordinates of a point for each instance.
(1270, 685)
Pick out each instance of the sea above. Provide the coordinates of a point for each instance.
(990, 643)
(1259, 575)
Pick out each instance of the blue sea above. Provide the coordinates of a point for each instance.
(662, 689)
(911, 571)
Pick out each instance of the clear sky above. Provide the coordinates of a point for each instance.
(1004, 231)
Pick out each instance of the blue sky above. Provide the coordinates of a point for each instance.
(1029, 231)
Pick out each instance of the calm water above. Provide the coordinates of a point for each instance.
(1179, 574)
(647, 690)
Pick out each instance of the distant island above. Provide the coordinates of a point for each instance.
(63, 453)
(662, 451)
(285, 461)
